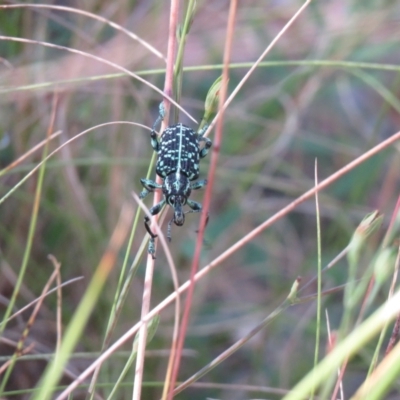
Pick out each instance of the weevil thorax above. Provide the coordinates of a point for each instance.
(178, 164)
(176, 189)
(178, 152)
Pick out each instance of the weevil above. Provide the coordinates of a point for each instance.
(179, 153)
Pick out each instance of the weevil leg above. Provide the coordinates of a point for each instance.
(149, 186)
(153, 211)
(198, 184)
(207, 145)
(154, 138)
(203, 130)
(169, 228)
(201, 138)
(196, 207)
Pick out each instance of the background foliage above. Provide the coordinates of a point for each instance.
(292, 111)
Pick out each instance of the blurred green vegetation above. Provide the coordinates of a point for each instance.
(282, 120)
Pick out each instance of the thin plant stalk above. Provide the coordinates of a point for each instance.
(182, 35)
(319, 280)
(138, 379)
(210, 67)
(119, 293)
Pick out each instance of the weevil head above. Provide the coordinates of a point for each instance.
(176, 190)
(176, 202)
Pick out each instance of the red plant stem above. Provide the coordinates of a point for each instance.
(207, 196)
